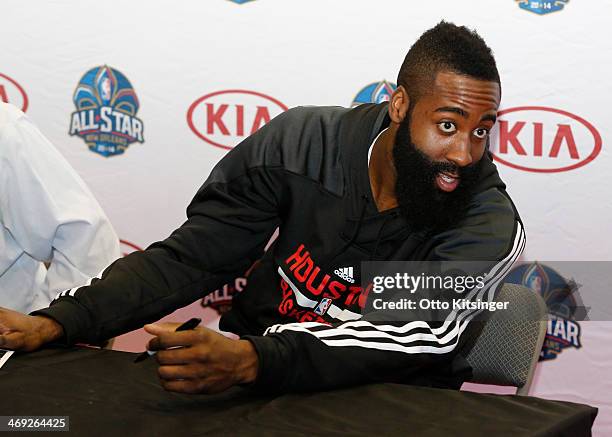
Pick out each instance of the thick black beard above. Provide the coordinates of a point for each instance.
(421, 202)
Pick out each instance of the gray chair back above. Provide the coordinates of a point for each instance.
(505, 349)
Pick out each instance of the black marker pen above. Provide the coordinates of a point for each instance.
(187, 326)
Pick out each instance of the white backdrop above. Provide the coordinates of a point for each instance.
(555, 70)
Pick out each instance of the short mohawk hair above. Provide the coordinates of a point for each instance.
(446, 47)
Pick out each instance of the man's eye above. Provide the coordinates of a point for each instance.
(448, 127)
(481, 132)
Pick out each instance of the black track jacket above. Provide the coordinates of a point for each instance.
(305, 172)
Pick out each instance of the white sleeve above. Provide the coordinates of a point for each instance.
(49, 210)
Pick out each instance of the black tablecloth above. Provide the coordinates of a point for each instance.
(104, 393)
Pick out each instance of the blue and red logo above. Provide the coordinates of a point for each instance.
(105, 116)
(323, 306)
(542, 7)
(376, 92)
(563, 303)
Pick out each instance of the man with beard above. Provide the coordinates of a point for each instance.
(410, 179)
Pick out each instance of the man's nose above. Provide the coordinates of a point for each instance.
(460, 153)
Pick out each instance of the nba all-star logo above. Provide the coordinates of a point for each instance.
(376, 92)
(105, 116)
(563, 303)
(542, 7)
(220, 300)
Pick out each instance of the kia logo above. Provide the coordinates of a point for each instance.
(11, 92)
(126, 247)
(224, 118)
(544, 140)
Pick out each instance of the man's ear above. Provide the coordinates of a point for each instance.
(398, 105)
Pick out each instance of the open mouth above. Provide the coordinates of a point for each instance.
(447, 182)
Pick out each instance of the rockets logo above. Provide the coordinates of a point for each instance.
(105, 116)
(376, 92)
(563, 303)
(309, 293)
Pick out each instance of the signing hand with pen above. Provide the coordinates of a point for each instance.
(200, 360)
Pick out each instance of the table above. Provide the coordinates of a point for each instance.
(104, 393)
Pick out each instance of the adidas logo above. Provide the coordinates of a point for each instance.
(345, 273)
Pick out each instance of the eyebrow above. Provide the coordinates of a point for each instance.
(464, 114)
(487, 117)
(454, 109)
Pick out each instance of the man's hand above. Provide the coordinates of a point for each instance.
(26, 333)
(203, 360)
